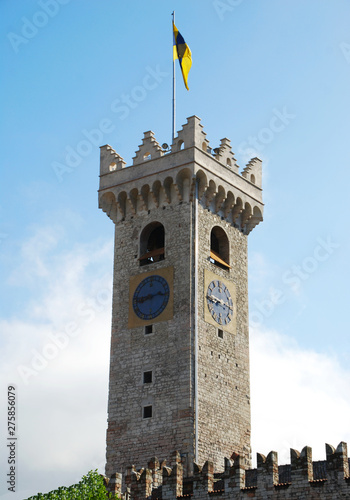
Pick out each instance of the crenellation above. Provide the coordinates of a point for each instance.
(149, 149)
(110, 161)
(234, 475)
(301, 465)
(337, 461)
(172, 482)
(268, 481)
(224, 155)
(115, 484)
(203, 479)
(191, 135)
(129, 471)
(141, 484)
(267, 470)
(253, 171)
(156, 468)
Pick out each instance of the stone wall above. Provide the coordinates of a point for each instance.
(300, 480)
(167, 352)
(170, 188)
(223, 363)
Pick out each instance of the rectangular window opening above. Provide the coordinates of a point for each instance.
(148, 329)
(147, 377)
(147, 411)
(220, 333)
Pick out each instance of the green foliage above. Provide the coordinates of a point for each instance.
(91, 487)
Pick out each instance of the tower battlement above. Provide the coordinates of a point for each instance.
(302, 478)
(158, 177)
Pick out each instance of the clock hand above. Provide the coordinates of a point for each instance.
(223, 303)
(219, 301)
(143, 299)
(149, 296)
(212, 298)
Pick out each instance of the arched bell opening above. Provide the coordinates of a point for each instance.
(219, 248)
(152, 244)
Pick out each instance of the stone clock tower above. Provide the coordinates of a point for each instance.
(179, 367)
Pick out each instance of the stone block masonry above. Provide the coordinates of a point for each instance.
(302, 479)
(179, 375)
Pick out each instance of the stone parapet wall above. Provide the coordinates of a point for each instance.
(301, 479)
(159, 178)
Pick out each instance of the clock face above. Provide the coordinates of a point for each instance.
(219, 302)
(151, 297)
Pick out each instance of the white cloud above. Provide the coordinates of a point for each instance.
(34, 255)
(299, 397)
(56, 353)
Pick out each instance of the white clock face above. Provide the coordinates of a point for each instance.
(219, 302)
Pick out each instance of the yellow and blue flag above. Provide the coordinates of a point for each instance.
(181, 51)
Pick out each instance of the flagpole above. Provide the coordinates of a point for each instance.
(173, 128)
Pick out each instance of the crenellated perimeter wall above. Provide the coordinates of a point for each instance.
(301, 479)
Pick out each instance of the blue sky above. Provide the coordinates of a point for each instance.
(271, 76)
